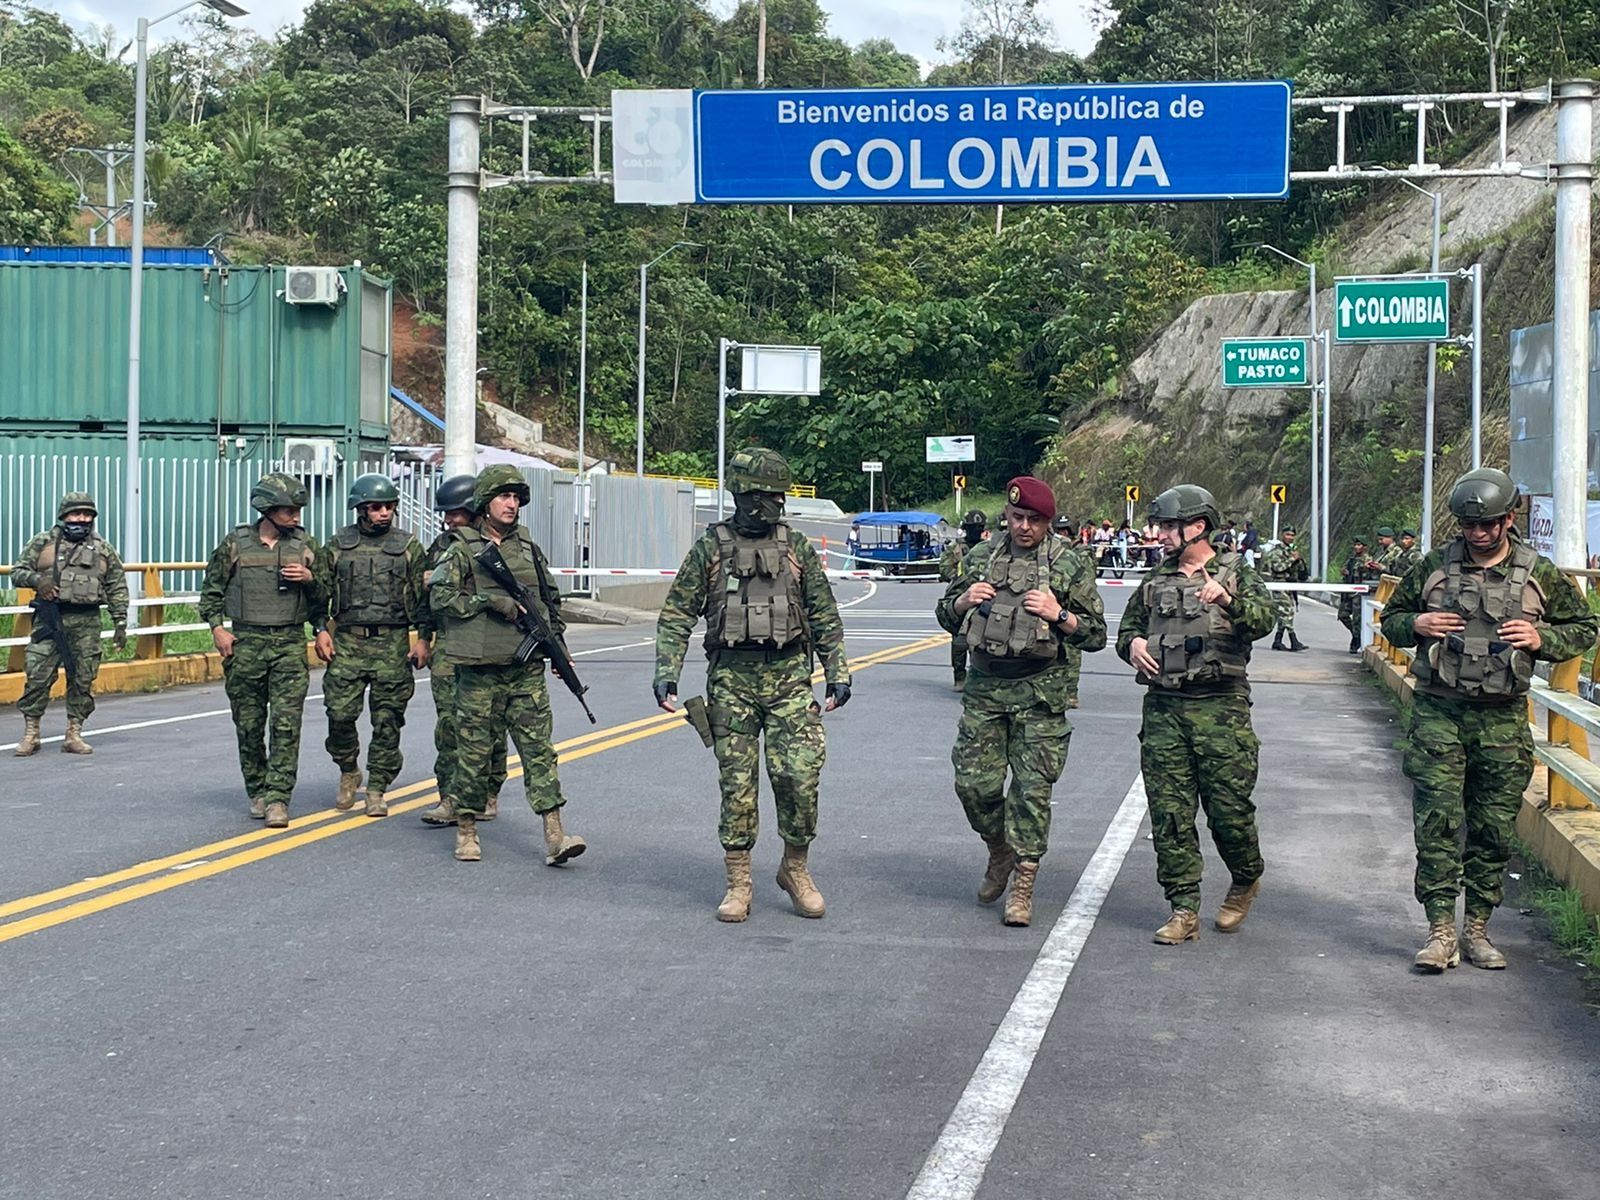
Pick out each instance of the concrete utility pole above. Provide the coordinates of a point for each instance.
(644, 291)
(1319, 484)
(1574, 173)
(461, 289)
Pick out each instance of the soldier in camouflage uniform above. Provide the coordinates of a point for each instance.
(1067, 534)
(1360, 567)
(264, 579)
(768, 609)
(495, 695)
(374, 572)
(1479, 611)
(1406, 555)
(73, 566)
(1284, 564)
(1386, 548)
(453, 501)
(1021, 600)
(1187, 633)
(972, 527)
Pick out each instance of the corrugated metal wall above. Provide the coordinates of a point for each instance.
(220, 347)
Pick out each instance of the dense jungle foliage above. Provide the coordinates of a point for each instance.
(328, 144)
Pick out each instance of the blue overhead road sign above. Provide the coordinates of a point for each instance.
(1156, 141)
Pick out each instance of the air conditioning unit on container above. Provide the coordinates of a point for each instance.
(317, 457)
(312, 285)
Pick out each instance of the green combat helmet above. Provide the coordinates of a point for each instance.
(502, 477)
(77, 502)
(1184, 503)
(976, 519)
(373, 489)
(1483, 495)
(277, 490)
(455, 492)
(758, 469)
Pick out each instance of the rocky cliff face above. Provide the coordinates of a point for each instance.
(1171, 419)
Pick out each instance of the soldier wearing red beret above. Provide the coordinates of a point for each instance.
(1021, 600)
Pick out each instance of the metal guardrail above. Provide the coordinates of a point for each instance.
(1562, 744)
(150, 640)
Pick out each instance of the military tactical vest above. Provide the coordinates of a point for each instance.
(488, 638)
(78, 568)
(755, 599)
(1001, 627)
(253, 596)
(371, 577)
(1193, 642)
(1476, 662)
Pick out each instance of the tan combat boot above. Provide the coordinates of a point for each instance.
(277, 815)
(795, 878)
(997, 874)
(1237, 905)
(442, 813)
(258, 808)
(1441, 951)
(467, 848)
(735, 906)
(1019, 904)
(491, 808)
(1476, 947)
(377, 806)
(558, 847)
(73, 743)
(1182, 926)
(30, 737)
(349, 783)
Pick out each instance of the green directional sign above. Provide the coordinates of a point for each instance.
(1265, 362)
(1391, 310)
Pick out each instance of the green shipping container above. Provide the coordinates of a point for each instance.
(224, 355)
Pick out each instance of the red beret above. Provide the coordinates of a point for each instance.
(1027, 492)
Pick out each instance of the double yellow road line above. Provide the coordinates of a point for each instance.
(202, 862)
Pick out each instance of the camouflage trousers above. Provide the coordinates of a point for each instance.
(266, 681)
(744, 701)
(1018, 725)
(1350, 612)
(1073, 668)
(492, 703)
(1468, 764)
(374, 669)
(442, 679)
(43, 659)
(1199, 752)
(1283, 606)
(958, 654)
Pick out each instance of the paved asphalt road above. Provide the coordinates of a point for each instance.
(342, 1010)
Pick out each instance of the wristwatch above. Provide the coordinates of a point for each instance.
(1062, 619)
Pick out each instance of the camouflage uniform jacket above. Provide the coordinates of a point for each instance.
(1071, 582)
(1567, 629)
(687, 600)
(1400, 561)
(1251, 613)
(219, 573)
(449, 596)
(951, 558)
(26, 573)
(1285, 564)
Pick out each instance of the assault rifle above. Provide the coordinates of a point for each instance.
(47, 627)
(536, 632)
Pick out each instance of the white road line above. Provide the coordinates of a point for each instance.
(954, 1168)
(224, 712)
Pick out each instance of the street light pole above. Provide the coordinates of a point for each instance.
(644, 288)
(1319, 494)
(133, 516)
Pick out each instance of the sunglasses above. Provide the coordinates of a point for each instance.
(1489, 523)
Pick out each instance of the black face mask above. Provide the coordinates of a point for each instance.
(757, 512)
(76, 531)
(973, 533)
(284, 530)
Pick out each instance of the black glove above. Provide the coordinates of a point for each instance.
(839, 693)
(665, 688)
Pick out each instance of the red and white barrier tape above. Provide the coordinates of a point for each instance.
(670, 572)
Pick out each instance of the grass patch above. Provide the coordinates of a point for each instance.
(989, 502)
(1574, 931)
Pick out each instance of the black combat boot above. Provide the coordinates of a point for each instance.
(1295, 643)
(1277, 640)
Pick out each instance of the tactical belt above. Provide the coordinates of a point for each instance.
(370, 631)
(759, 653)
(238, 628)
(79, 608)
(1010, 668)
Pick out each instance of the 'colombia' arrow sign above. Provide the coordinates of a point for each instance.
(1403, 309)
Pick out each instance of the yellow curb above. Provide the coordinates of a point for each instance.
(137, 675)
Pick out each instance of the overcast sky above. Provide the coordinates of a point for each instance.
(914, 25)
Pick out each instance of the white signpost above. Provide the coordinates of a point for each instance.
(764, 370)
(873, 468)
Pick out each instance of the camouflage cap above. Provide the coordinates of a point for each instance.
(758, 469)
(77, 502)
(277, 490)
(492, 480)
